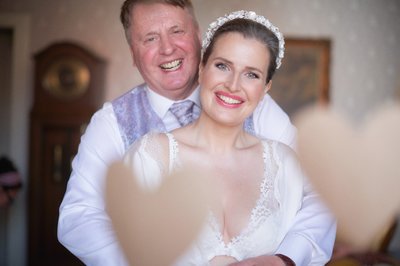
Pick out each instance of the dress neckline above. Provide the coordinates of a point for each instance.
(254, 217)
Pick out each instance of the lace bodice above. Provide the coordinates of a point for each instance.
(270, 218)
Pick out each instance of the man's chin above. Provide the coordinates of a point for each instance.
(177, 91)
(176, 85)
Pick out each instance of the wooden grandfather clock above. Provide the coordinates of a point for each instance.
(68, 89)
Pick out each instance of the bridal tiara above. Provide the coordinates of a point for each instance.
(250, 15)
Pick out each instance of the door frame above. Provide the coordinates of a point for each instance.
(20, 104)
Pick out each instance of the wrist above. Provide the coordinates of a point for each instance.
(286, 260)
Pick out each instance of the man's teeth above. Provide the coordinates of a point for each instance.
(228, 100)
(173, 65)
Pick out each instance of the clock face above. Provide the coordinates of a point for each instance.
(67, 78)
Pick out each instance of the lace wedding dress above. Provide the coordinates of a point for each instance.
(281, 192)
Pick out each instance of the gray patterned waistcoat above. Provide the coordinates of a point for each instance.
(135, 116)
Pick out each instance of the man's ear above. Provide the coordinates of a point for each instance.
(267, 87)
(132, 56)
(200, 72)
(199, 36)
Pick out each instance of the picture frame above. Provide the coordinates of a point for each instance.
(303, 78)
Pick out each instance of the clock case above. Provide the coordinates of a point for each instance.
(63, 53)
(56, 125)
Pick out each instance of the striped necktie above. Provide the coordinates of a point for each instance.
(186, 112)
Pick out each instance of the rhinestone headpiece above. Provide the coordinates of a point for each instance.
(250, 15)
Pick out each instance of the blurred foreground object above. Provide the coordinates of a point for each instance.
(10, 182)
(356, 170)
(156, 227)
(376, 255)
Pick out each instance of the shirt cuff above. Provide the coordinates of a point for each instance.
(297, 248)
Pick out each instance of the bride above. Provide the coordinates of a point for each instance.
(259, 182)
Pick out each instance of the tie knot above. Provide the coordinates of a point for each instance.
(183, 111)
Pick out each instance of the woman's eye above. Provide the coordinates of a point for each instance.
(252, 75)
(221, 66)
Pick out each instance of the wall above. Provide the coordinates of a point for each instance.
(365, 61)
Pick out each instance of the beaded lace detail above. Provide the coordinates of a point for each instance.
(173, 152)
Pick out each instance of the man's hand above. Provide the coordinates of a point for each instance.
(264, 260)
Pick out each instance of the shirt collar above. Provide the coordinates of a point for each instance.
(161, 104)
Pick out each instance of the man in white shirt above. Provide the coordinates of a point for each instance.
(164, 39)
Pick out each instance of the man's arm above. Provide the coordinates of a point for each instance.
(310, 240)
(84, 227)
(308, 243)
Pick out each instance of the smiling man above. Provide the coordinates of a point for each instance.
(164, 40)
(165, 46)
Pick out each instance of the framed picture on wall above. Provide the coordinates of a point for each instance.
(303, 78)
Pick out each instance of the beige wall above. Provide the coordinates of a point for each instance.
(365, 61)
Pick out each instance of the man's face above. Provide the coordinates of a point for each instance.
(165, 47)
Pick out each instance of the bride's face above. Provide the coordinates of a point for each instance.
(233, 79)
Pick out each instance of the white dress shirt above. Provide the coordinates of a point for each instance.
(161, 107)
(85, 229)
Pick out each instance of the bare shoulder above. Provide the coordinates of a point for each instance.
(279, 148)
(152, 146)
(149, 141)
(158, 139)
(185, 136)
